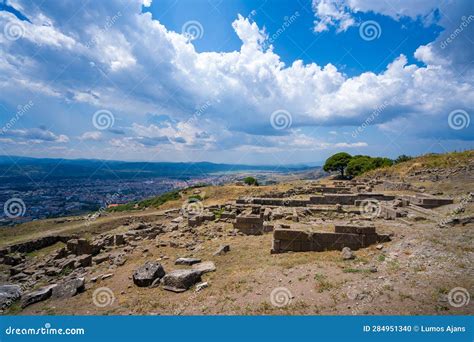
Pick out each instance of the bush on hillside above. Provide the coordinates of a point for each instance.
(250, 181)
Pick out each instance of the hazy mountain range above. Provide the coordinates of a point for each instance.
(14, 168)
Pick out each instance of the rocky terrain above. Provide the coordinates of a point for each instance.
(394, 241)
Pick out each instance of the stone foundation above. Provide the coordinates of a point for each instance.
(354, 237)
(249, 224)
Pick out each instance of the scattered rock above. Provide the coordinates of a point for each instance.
(37, 296)
(178, 219)
(146, 274)
(81, 246)
(187, 261)
(69, 288)
(13, 259)
(100, 258)
(83, 260)
(205, 267)
(379, 247)
(19, 277)
(201, 286)
(9, 294)
(118, 259)
(222, 250)
(180, 280)
(347, 254)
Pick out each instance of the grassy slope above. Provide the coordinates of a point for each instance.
(428, 161)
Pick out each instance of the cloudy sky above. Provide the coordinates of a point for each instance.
(237, 81)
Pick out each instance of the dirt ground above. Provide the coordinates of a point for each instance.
(414, 273)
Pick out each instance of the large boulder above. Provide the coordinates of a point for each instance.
(180, 280)
(69, 288)
(37, 296)
(147, 274)
(9, 294)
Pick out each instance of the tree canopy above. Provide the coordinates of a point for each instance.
(250, 181)
(402, 158)
(338, 162)
(354, 165)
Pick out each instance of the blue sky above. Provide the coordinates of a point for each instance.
(258, 82)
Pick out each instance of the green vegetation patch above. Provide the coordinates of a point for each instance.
(154, 202)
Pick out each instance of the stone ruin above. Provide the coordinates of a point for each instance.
(354, 237)
(346, 199)
(298, 219)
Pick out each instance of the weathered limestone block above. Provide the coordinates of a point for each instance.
(249, 224)
(180, 280)
(301, 240)
(350, 229)
(9, 294)
(187, 261)
(69, 288)
(82, 246)
(37, 296)
(205, 267)
(145, 275)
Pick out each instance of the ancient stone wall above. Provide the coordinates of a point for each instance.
(249, 224)
(354, 237)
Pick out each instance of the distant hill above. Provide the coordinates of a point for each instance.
(24, 168)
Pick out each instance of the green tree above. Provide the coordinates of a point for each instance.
(250, 181)
(381, 162)
(402, 158)
(358, 165)
(337, 162)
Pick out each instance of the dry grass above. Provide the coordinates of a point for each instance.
(430, 161)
